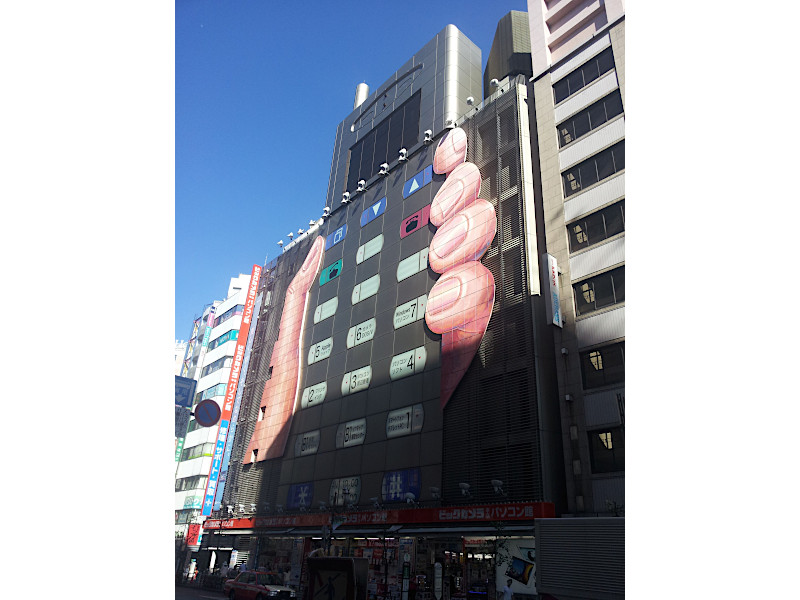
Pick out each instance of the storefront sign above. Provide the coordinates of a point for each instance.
(415, 222)
(335, 237)
(300, 495)
(553, 303)
(396, 484)
(373, 212)
(331, 272)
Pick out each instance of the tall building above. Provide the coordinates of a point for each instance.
(406, 397)
(208, 359)
(578, 82)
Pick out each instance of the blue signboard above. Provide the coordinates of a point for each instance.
(373, 212)
(335, 237)
(184, 391)
(396, 484)
(211, 490)
(418, 181)
(300, 495)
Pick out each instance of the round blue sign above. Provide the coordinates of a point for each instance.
(207, 413)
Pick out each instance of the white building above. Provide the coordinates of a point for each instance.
(214, 355)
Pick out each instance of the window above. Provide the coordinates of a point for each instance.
(233, 334)
(589, 118)
(595, 168)
(206, 449)
(583, 75)
(195, 482)
(600, 291)
(221, 363)
(603, 366)
(232, 312)
(596, 227)
(398, 130)
(607, 450)
(214, 390)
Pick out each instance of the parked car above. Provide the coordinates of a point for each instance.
(258, 585)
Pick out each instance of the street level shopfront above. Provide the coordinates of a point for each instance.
(478, 547)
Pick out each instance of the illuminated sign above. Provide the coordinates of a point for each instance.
(314, 394)
(306, 443)
(351, 433)
(415, 222)
(405, 421)
(411, 311)
(363, 332)
(335, 237)
(365, 289)
(408, 363)
(412, 265)
(346, 490)
(370, 249)
(230, 391)
(357, 380)
(418, 181)
(331, 272)
(300, 495)
(396, 484)
(320, 351)
(373, 212)
(326, 309)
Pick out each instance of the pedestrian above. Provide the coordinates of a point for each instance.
(507, 590)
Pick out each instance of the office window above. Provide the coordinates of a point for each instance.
(595, 168)
(381, 145)
(215, 390)
(603, 366)
(232, 312)
(583, 75)
(589, 118)
(222, 363)
(607, 450)
(195, 482)
(233, 334)
(599, 291)
(206, 449)
(596, 227)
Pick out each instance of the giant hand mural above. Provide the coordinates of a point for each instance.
(460, 303)
(280, 392)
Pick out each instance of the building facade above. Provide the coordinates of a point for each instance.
(437, 364)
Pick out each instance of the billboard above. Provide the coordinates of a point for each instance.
(230, 391)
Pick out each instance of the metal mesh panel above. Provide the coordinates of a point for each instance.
(491, 428)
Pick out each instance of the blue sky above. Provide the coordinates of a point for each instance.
(260, 87)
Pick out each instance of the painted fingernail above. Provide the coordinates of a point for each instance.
(451, 151)
(444, 294)
(459, 191)
(465, 237)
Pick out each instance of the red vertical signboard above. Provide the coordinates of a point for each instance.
(230, 391)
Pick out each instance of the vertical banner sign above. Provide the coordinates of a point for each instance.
(230, 391)
(235, 415)
(553, 302)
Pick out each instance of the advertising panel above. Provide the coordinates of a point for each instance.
(553, 298)
(230, 391)
(396, 484)
(518, 563)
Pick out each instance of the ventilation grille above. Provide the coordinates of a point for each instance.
(491, 427)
